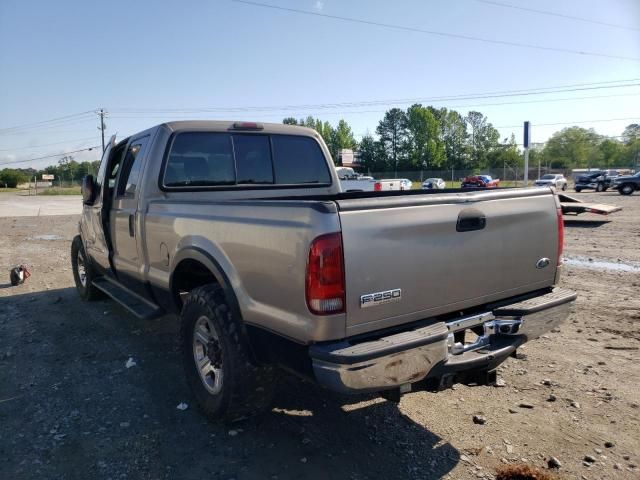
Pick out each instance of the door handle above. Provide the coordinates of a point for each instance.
(471, 219)
(131, 225)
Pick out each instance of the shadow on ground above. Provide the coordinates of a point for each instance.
(69, 408)
(576, 223)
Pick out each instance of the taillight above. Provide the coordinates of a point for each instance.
(560, 235)
(325, 275)
(377, 187)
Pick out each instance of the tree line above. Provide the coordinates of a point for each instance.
(429, 138)
(67, 170)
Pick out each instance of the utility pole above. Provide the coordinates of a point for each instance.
(527, 139)
(102, 126)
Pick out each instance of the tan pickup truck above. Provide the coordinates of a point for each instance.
(243, 231)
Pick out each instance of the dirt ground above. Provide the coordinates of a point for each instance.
(69, 407)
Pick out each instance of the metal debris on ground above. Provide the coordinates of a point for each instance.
(19, 274)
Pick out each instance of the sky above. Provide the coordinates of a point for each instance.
(147, 62)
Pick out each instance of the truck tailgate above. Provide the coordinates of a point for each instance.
(432, 254)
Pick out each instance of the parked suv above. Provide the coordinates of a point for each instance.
(627, 184)
(243, 230)
(598, 181)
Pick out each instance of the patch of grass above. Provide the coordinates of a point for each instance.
(2, 189)
(61, 191)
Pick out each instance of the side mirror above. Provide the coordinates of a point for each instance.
(88, 190)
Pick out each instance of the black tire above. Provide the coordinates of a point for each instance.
(599, 188)
(83, 272)
(626, 189)
(244, 389)
(564, 187)
(578, 189)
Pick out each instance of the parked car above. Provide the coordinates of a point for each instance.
(434, 184)
(480, 181)
(243, 230)
(627, 184)
(598, 181)
(555, 180)
(406, 184)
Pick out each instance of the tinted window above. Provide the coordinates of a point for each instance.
(253, 159)
(200, 159)
(298, 160)
(132, 163)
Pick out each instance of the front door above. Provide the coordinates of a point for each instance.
(92, 228)
(124, 218)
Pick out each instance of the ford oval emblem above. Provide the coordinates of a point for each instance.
(543, 262)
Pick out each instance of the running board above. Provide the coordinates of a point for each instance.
(129, 300)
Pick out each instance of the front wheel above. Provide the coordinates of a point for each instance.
(626, 189)
(564, 187)
(578, 189)
(226, 382)
(599, 188)
(83, 272)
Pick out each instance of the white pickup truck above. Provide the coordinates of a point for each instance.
(350, 181)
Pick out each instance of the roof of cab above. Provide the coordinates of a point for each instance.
(228, 126)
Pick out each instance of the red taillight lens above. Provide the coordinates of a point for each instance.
(377, 187)
(560, 235)
(325, 275)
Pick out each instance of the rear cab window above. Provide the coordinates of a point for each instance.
(214, 160)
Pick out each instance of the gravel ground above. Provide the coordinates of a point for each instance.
(70, 408)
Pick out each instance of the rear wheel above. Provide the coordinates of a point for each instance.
(564, 187)
(578, 189)
(217, 362)
(626, 189)
(83, 272)
(599, 188)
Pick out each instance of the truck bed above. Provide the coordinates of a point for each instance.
(442, 251)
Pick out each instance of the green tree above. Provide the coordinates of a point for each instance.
(11, 178)
(455, 137)
(611, 152)
(483, 138)
(392, 131)
(631, 133)
(290, 121)
(425, 148)
(344, 135)
(573, 147)
(371, 154)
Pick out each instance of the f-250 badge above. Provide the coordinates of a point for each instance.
(379, 298)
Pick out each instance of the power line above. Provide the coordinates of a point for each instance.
(46, 144)
(477, 96)
(555, 14)
(49, 156)
(352, 112)
(65, 123)
(437, 33)
(534, 124)
(52, 120)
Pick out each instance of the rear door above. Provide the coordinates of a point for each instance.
(433, 254)
(124, 217)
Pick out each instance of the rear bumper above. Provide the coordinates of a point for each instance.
(431, 352)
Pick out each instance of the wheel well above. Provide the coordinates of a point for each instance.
(189, 274)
